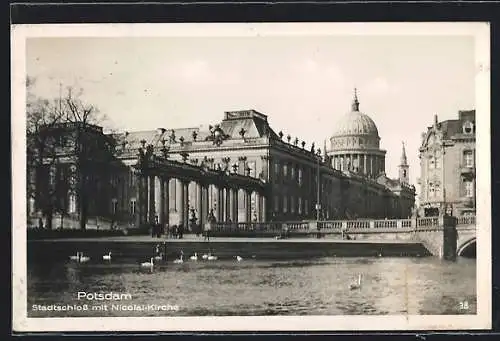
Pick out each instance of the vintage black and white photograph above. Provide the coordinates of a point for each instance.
(251, 176)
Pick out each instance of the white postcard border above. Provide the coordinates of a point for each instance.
(482, 320)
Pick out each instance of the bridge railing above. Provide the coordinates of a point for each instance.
(337, 226)
(466, 220)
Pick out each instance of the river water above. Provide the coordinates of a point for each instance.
(319, 286)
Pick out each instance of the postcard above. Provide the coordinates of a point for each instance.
(251, 177)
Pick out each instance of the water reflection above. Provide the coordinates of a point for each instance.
(253, 287)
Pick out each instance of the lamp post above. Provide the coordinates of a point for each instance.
(445, 209)
(318, 205)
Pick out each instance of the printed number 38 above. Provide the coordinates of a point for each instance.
(464, 305)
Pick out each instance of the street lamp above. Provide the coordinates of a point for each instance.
(318, 205)
(445, 208)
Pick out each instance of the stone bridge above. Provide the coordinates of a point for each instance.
(443, 236)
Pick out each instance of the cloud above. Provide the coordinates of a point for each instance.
(201, 72)
(379, 86)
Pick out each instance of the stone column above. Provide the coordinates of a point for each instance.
(204, 204)
(180, 203)
(263, 215)
(142, 205)
(227, 209)
(178, 197)
(248, 206)
(365, 169)
(258, 200)
(220, 204)
(166, 202)
(199, 203)
(185, 204)
(161, 201)
(234, 207)
(151, 207)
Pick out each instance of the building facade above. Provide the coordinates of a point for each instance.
(278, 177)
(447, 166)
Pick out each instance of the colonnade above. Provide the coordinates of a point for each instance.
(365, 163)
(220, 199)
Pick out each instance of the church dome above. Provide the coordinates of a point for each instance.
(356, 123)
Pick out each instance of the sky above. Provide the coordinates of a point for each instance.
(304, 84)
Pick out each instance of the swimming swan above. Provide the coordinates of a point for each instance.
(239, 259)
(357, 284)
(77, 257)
(148, 264)
(107, 257)
(179, 260)
(83, 258)
(210, 257)
(194, 257)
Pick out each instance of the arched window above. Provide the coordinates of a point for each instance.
(468, 127)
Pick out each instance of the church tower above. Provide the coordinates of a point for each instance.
(404, 168)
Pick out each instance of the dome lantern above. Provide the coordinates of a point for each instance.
(355, 102)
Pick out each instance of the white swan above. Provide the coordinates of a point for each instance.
(357, 284)
(239, 259)
(148, 264)
(194, 257)
(205, 256)
(159, 257)
(107, 257)
(76, 257)
(211, 257)
(180, 259)
(83, 258)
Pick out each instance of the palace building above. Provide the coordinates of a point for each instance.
(242, 170)
(447, 166)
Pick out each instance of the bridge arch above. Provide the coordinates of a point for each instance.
(467, 248)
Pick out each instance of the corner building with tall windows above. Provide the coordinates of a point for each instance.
(256, 174)
(448, 167)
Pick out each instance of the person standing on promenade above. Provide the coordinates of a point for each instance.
(208, 226)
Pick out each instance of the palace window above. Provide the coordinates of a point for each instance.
(132, 178)
(72, 203)
(468, 158)
(276, 169)
(292, 173)
(438, 162)
(114, 206)
(469, 188)
(437, 190)
(132, 206)
(285, 170)
(252, 167)
(276, 203)
(292, 204)
(300, 205)
(285, 204)
(300, 176)
(431, 190)
(432, 163)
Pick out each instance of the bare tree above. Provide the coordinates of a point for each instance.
(63, 128)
